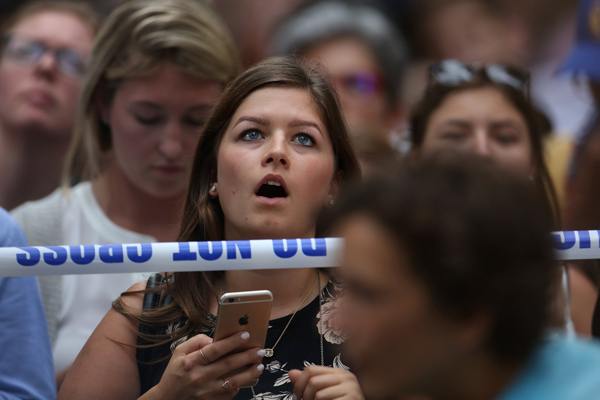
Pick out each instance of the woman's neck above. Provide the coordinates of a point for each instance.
(289, 286)
(133, 209)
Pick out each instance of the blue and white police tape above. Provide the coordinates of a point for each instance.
(157, 257)
(216, 256)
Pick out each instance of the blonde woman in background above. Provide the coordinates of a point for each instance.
(156, 69)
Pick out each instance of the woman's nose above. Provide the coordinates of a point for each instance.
(277, 151)
(171, 144)
(482, 144)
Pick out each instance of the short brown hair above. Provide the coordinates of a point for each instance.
(476, 238)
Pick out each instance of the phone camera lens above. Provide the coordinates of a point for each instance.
(231, 300)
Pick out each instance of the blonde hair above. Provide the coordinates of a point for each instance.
(135, 40)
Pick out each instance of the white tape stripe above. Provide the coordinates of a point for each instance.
(155, 257)
(215, 256)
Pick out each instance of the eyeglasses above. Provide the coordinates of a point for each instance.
(25, 51)
(455, 73)
(360, 83)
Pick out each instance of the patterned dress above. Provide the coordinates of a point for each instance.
(299, 347)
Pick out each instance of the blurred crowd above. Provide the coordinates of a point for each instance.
(469, 121)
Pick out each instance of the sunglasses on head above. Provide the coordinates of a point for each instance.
(455, 73)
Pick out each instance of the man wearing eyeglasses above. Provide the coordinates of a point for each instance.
(43, 53)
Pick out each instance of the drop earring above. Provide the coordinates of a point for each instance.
(331, 202)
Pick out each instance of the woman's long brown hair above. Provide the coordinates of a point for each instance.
(203, 218)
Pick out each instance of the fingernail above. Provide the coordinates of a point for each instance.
(294, 397)
(260, 367)
(245, 335)
(210, 340)
(261, 353)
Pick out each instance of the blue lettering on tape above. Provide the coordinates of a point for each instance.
(185, 254)
(30, 259)
(208, 254)
(82, 255)
(136, 257)
(242, 245)
(584, 240)
(569, 240)
(320, 249)
(111, 253)
(58, 257)
(290, 249)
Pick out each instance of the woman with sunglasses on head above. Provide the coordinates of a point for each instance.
(155, 71)
(486, 110)
(274, 154)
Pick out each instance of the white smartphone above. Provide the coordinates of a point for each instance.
(244, 311)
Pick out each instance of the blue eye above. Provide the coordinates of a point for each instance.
(251, 135)
(304, 139)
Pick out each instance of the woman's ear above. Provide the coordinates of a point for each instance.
(214, 190)
(334, 189)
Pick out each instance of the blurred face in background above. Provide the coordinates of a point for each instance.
(472, 32)
(41, 69)
(398, 341)
(358, 81)
(483, 121)
(155, 123)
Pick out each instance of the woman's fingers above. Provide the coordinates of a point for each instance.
(215, 369)
(238, 361)
(325, 383)
(245, 377)
(222, 347)
(193, 344)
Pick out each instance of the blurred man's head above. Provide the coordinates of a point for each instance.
(44, 52)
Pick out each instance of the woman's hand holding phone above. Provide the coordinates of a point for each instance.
(197, 368)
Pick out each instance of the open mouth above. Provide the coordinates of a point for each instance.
(271, 189)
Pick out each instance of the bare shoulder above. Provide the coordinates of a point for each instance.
(134, 297)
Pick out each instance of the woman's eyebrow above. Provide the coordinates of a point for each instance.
(256, 120)
(297, 122)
